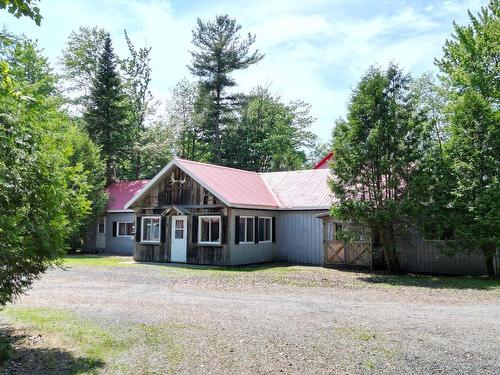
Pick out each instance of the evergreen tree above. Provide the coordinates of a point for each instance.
(106, 114)
(220, 51)
(378, 150)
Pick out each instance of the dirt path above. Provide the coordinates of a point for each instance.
(323, 322)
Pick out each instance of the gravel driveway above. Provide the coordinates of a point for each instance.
(297, 320)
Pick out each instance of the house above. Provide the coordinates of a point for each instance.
(325, 162)
(207, 214)
(114, 231)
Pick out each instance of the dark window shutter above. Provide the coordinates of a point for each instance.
(163, 228)
(138, 229)
(256, 224)
(237, 230)
(194, 237)
(224, 229)
(114, 228)
(273, 229)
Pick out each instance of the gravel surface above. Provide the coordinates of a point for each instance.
(299, 321)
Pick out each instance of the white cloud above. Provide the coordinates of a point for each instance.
(315, 50)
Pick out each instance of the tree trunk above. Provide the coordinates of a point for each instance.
(217, 129)
(389, 246)
(489, 251)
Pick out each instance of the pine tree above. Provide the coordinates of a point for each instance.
(220, 51)
(106, 114)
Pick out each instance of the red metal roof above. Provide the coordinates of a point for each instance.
(119, 193)
(294, 190)
(301, 189)
(323, 163)
(235, 187)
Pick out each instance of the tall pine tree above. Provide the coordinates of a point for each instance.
(220, 51)
(106, 114)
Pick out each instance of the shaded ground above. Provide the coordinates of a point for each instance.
(111, 315)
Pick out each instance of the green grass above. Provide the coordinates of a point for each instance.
(293, 275)
(97, 261)
(111, 347)
(434, 282)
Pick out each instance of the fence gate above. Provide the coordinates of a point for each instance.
(356, 252)
(334, 249)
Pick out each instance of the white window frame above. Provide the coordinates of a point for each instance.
(200, 219)
(118, 229)
(270, 229)
(104, 230)
(246, 230)
(142, 229)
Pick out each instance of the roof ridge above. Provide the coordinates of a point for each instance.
(216, 166)
(298, 170)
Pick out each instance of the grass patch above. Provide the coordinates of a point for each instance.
(435, 282)
(97, 261)
(137, 348)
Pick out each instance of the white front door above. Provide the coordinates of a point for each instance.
(179, 239)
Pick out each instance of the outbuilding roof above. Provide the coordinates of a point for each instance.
(306, 189)
(294, 190)
(119, 193)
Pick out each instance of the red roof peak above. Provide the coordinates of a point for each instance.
(323, 163)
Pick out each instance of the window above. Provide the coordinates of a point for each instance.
(125, 229)
(329, 231)
(265, 229)
(209, 230)
(246, 229)
(101, 225)
(150, 229)
(179, 229)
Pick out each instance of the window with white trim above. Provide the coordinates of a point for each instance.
(101, 225)
(246, 229)
(209, 230)
(150, 229)
(265, 229)
(125, 229)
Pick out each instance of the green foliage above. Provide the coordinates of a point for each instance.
(463, 170)
(269, 135)
(378, 150)
(22, 8)
(107, 114)
(80, 60)
(219, 52)
(44, 185)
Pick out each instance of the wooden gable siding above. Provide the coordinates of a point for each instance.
(177, 188)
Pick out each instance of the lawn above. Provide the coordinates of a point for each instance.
(101, 314)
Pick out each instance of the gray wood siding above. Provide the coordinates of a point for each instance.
(119, 245)
(249, 253)
(419, 255)
(299, 235)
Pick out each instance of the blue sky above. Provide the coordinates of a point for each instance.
(315, 50)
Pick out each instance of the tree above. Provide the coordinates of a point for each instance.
(378, 150)
(269, 135)
(220, 51)
(182, 118)
(22, 8)
(45, 185)
(469, 73)
(106, 114)
(80, 61)
(136, 78)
